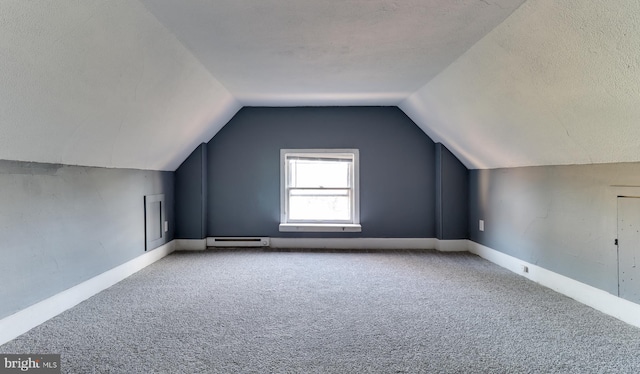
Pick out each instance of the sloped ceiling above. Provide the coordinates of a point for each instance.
(501, 83)
(310, 52)
(101, 83)
(558, 82)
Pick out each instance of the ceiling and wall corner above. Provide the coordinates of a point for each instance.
(333, 52)
(555, 83)
(140, 84)
(101, 83)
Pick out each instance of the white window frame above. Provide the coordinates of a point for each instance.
(352, 225)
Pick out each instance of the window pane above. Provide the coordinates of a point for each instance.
(319, 186)
(318, 192)
(319, 206)
(316, 173)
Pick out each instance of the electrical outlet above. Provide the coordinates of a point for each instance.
(481, 225)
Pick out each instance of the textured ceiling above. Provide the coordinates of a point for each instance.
(557, 83)
(310, 52)
(501, 83)
(101, 83)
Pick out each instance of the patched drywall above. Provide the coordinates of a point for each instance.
(556, 83)
(62, 225)
(101, 83)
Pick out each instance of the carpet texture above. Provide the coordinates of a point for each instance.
(250, 311)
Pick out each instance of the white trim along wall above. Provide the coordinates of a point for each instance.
(190, 244)
(353, 243)
(596, 298)
(30, 317)
(26, 319)
(341, 243)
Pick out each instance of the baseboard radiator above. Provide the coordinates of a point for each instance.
(237, 242)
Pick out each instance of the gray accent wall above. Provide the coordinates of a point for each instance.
(562, 218)
(191, 195)
(397, 169)
(62, 225)
(452, 195)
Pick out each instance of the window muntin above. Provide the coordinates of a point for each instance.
(319, 186)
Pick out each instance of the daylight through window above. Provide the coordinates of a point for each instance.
(319, 190)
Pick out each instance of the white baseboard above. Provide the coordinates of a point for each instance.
(461, 245)
(30, 317)
(596, 298)
(371, 243)
(353, 243)
(191, 244)
(17, 324)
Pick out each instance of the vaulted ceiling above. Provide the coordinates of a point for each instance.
(139, 84)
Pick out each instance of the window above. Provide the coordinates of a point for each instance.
(319, 190)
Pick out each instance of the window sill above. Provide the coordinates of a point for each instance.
(320, 227)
